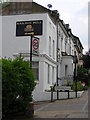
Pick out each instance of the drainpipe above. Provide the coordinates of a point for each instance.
(57, 20)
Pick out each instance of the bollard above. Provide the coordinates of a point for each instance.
(68, 94)
(51, 94)
(30, 110)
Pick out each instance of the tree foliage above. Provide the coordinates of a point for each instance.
(4, 3)
(81, 71)
(82, 74)
(17, 84)
(79, 86)
(86, 60)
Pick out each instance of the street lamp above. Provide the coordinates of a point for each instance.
(75, 61)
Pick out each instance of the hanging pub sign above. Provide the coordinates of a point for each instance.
(35, 45)
(28, 28)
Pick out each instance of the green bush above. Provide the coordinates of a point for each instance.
(68, 83)
(82, 74)
(17, 85)
(85, 88)
(79, 86)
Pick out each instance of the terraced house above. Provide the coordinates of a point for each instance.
(54, 62)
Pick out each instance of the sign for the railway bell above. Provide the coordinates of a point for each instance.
(28, 28)
(35, 45)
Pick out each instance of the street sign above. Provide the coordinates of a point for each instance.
(35, 45)
(28, 28)
(63, 88)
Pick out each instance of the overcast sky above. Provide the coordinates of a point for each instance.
(74, 12)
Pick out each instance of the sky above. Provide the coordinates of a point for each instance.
(74, 12)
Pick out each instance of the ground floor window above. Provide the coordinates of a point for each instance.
(35, 67)
(48, 71)
(53, 75)
(66, 69)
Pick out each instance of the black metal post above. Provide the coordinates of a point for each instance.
(75, 76)
(31, 52)
(57, 61)
(76, 86)
(68, 94)
(57, 22)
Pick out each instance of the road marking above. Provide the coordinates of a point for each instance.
(85, 105)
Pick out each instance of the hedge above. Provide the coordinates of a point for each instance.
(18, 82)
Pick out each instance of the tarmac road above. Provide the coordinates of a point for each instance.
(71, 108)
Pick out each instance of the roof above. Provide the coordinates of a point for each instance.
(77, 39)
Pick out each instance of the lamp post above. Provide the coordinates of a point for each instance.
(75, 61)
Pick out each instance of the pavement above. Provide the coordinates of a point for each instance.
(70, 108)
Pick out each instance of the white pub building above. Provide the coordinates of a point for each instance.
(54, 63)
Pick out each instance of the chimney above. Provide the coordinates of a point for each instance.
(67, 26)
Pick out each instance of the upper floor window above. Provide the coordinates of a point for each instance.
(61, 36)
(66, 69)
(53, 49)
(70, 50)
(50, 24)
(49, 45)
(61, 44)
(53, 29)
(35, 67)
(65, 46)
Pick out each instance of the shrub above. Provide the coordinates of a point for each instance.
(79, 86)
(85, 88)
(68, 83)
(82, 74)
(52, 88)
(17, 85)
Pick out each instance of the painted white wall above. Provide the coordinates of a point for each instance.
(13, 44)
(72, 47)
(62, 95)
(69, 43)
(51, 31)
(0, 36)
(66, 61)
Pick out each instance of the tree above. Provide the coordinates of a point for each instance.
(82, 74)
(86, 60)
(4, 3)
(17, 85)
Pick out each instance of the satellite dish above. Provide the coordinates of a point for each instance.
(49, 6)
